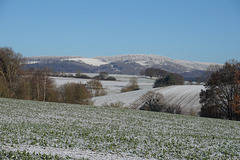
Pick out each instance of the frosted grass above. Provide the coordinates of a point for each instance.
(107, 133)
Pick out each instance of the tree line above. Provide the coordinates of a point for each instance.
(35, 84)
(164, 78)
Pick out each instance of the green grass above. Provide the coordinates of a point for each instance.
(31, 127)
(25, 155)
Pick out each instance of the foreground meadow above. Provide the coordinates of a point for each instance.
(64, 131)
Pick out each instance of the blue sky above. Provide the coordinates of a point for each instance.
(195, 30)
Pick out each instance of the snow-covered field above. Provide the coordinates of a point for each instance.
(70, 131)
(110, 86)
(127, 98)
(187, 96)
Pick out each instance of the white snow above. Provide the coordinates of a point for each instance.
(126, 98)
(32, 62)
(90, 61)
(143, 63)
(151, 60)
(111, 87)
(187, 96)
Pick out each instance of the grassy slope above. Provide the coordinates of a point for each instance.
(108, 133)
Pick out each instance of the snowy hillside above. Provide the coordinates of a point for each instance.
(89, 61)
(187, 96)
(47, 58)
(122, 64)
(153, 60)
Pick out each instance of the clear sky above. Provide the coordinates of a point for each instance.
(195, 30)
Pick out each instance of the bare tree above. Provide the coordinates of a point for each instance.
(75, 93)
(153, 102)
(42, 87)
(132, 86)
(96, 88)
(10, 67)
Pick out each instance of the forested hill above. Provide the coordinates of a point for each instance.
(122, 64)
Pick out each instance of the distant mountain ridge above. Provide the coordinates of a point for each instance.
(120, 64)
(155, 60)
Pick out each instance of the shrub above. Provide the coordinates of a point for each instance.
(192, 112)
(111, 78)
(96, 88)
(173, 108)
(83, 76)
(170, 79)
(156, 102)
(153, 102)
(132, 86)
(75, 93)
(117, 104)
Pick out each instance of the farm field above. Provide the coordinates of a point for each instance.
(187, 96)
(111, 87)
(31, 128)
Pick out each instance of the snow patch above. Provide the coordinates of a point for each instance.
(32, 62)
(143, 63)
(90, 61)
(144, 59)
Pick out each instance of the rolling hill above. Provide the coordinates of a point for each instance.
(122, 64)
(187, 96)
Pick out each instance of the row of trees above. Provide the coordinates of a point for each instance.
(164, 78)
(154, 72)
(79, 74)
(34, 84)
(170, 79)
